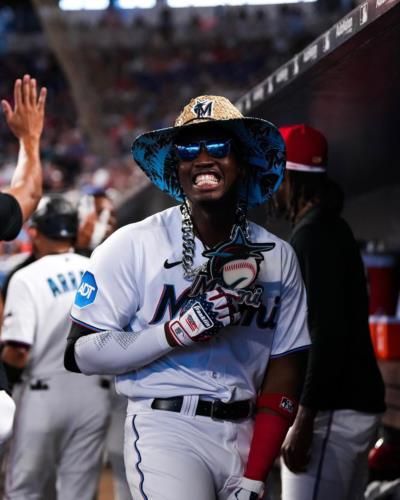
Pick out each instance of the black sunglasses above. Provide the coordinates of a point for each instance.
(215, 148)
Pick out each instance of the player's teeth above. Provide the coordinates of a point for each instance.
(206, 179)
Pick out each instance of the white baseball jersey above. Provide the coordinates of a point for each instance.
(135, 280)
(61, 417)
(38, 298)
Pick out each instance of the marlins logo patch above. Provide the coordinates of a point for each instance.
(236, 262)
(87, 291)
(203, 109)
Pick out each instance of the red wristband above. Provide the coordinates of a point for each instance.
(268, 435)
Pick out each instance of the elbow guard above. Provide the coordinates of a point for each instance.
(75, 333)
(69, 357)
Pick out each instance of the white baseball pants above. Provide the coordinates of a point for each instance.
(338, 469)
(176, 456)
(58, 432)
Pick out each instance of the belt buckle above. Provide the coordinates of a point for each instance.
(217, 410)
(214, 409)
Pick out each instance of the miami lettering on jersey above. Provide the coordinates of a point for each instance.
(232, 264)
(64, 282)
(87, 291)
(253, 310)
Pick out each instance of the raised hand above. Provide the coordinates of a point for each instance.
(26, 118)
(26, 122)
(203, 316)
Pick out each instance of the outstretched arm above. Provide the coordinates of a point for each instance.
(26, 122)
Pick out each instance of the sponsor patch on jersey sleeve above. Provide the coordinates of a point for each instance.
(87, 291)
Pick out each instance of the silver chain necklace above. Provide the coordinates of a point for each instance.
(189, 244)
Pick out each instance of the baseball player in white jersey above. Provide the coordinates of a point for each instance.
(97, 221)
(200, 313)
(61, 418)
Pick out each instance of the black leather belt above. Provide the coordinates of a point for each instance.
(214, 409)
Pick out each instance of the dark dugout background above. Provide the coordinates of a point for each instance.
(347, 84)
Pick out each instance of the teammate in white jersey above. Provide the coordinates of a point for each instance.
(97, 221)
(61, 418)
(199, 313)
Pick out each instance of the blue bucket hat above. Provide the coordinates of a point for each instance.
(259, 142)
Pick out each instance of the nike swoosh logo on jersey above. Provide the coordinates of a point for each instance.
(168, 265)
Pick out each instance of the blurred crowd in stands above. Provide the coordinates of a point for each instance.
(142, 68)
